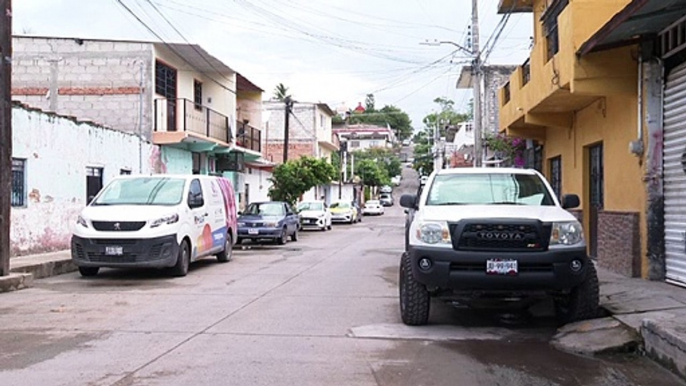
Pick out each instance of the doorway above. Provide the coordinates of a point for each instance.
(93, 183)
(596, 195)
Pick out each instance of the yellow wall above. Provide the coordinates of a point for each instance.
(612, 121)
(576, 24)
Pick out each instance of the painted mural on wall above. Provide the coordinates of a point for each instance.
(53, 187)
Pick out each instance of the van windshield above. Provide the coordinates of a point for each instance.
(489, 189)
(143, 191)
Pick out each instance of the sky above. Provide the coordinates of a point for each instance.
(330, 51)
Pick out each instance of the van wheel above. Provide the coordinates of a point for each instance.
(88, 271)
(182, 261)
(294, 236)
(227, 253)
(283, 238)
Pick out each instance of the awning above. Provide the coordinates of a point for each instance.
(639, 20)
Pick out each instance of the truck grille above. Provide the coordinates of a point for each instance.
(501, 236)
(117, 226)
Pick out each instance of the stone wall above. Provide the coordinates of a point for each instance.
(93, 80)
(619, 242)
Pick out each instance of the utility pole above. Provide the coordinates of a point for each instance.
(476, 76)
(5, 133)
(289, 104)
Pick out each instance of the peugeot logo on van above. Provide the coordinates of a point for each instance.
(117, 226)
(500, 235)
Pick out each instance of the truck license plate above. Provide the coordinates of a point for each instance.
(253, 231)
(114, 251)
(501, 267)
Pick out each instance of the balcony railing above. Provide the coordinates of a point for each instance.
(526, 72)
(185, 115)
(248, 137)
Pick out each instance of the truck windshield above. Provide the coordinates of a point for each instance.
(489, 189)
(143, 191)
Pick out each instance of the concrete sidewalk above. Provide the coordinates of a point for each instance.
(643, 315)
(25, 269)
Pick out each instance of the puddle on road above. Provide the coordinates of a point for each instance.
(22, 349)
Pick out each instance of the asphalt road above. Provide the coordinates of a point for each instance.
(320, 311)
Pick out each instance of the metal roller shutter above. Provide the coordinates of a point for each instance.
(675, 175)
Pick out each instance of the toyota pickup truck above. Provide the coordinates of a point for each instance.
(485, 234)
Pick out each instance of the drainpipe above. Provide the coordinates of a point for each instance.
(140, 121)
(636, 147)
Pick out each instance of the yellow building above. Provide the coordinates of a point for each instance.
(590, 93)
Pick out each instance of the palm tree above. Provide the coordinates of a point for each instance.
(281, 92)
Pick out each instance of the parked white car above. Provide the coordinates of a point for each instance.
(314, 215)
(396, 180)
(373, 207)
(156, 222)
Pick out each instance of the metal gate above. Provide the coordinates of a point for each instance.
(675, 174)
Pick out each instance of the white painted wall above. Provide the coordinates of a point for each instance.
(258, 184)
(57, 151)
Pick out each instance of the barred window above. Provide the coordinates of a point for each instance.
(165, 80)
(18, 197)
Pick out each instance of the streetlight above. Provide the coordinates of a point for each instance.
(475, 54)
(438, 43)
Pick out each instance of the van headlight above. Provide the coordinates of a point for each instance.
(433, 233)
(566, 233)
(165, 220)
(82, 221)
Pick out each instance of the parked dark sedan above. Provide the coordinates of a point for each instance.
(268, 221)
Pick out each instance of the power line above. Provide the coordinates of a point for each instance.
(152, 31)
(193, 46)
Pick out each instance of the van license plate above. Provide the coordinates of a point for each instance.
(253, 231)
(114, 251)
(501, 267)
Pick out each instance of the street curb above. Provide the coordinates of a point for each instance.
(665, 345)
(47, 268)
(15, 282)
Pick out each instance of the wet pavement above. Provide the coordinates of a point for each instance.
(320, 311)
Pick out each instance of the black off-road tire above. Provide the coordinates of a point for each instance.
(226, 255)
(329, 227)
(294, 236)
(183, 261)
(89, 271)
(415, 300)
(582, 302)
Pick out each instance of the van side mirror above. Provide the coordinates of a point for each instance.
(195, 201)
(408, 201)
(570, 201)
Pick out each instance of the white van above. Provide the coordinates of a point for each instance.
(160, 221)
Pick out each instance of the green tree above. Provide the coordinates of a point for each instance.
(281, 92)
(397, 119)
(371, 173)
(294, 178)
(385, 158)
(445, 119)
(369, 103)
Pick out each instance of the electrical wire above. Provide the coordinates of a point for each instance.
(171, 48)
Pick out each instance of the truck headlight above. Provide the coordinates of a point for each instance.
(566, 233)
(434, 233)
(165, 220)
(82, 221)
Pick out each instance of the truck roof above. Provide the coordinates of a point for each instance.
(483, 170)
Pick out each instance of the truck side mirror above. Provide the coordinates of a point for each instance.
(570, 201)
(408, 201)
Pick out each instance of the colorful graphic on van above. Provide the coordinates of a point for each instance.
(209, 239)
(229, 202)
